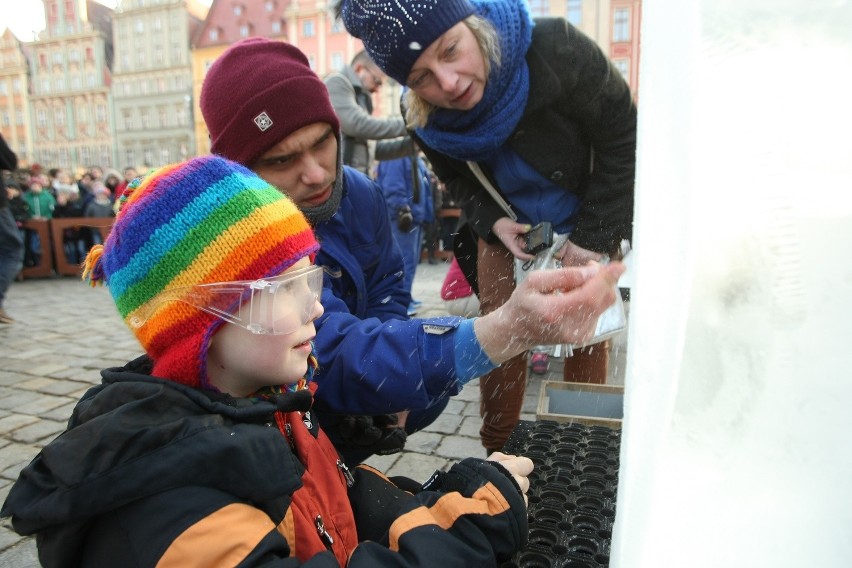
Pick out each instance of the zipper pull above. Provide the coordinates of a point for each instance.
(350, 479)
(323, 534)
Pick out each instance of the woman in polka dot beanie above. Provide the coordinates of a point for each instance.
(534, 107)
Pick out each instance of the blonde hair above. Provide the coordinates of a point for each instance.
(417, 109)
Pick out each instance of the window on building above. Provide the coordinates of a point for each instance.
(539, 8)
(177, 53)
(148, 157)
(238, 9)
(165, 156)
(575, 12)
(45, 86)
(337, 27)
(129, 157)
(85, 155)
(91, 82)
(269, 5)
(58, 58)
(41, 118)
(16, 85)
(139, 25)
(140, 58)
(144, 118)
(623, 66)
(60, 84)
(74, 55)
(3, 88)
(42, 60)
(76, 83)
(5, 119)
(213, 34)
(163, 116)
(337, 62)
(159, 54)
(312, 61)
(308, 28)
(621, 25)
(100, 113)
(90, 54)
(158, 24)
(59, 116)
(161, 85)
(276, 27)
(19, 117)
(82, 114)
(245, 30)
(127, 116)
(106, 157)
(181, 114)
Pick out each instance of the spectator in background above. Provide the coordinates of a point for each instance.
(63, 182)
(530, 121)
(351, 91)
(129, 174)
(41, 204)
(405, 183)
(112, 181)
(69, 205)
(99, 206)
(11, 244)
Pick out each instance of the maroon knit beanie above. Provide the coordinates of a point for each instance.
(258, 92)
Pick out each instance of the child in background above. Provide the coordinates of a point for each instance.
(205, 452)
(99, 206)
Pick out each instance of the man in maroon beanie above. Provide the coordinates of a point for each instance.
(266, 109)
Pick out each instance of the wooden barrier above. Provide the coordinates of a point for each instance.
(45, 265)
(53, 260)
(57, 226)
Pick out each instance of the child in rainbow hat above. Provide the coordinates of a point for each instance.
(204, 452)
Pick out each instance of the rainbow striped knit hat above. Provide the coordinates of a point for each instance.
(201, 221)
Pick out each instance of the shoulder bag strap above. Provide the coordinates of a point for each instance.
(480, 175)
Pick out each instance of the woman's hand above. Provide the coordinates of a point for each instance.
(519, 466)
(549, 307)
(573, 255)
(511, 234)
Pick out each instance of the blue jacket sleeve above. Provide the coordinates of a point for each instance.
(367, 366)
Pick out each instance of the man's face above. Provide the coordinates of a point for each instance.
(303, 165)
(371, 77)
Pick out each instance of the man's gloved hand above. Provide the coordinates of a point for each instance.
(380, 433)
(404, 218)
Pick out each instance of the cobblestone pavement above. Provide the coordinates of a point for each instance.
(66, 332)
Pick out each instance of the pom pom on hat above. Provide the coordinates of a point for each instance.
(258, 92)
(201, 221)
(395, 33)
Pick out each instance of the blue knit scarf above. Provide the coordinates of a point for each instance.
(477, 133)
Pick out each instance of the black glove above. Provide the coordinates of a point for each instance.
(379, 433)
(404, 218)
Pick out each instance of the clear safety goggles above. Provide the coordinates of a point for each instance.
(270, 306)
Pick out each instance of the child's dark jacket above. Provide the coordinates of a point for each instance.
(150, 472)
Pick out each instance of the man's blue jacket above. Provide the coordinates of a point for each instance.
(372, 358)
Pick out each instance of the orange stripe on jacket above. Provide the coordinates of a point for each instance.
(223, 538)
(487, 500)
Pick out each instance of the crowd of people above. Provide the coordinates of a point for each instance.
(269, 285)
(36, 193)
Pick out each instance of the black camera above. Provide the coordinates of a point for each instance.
(538, 238)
